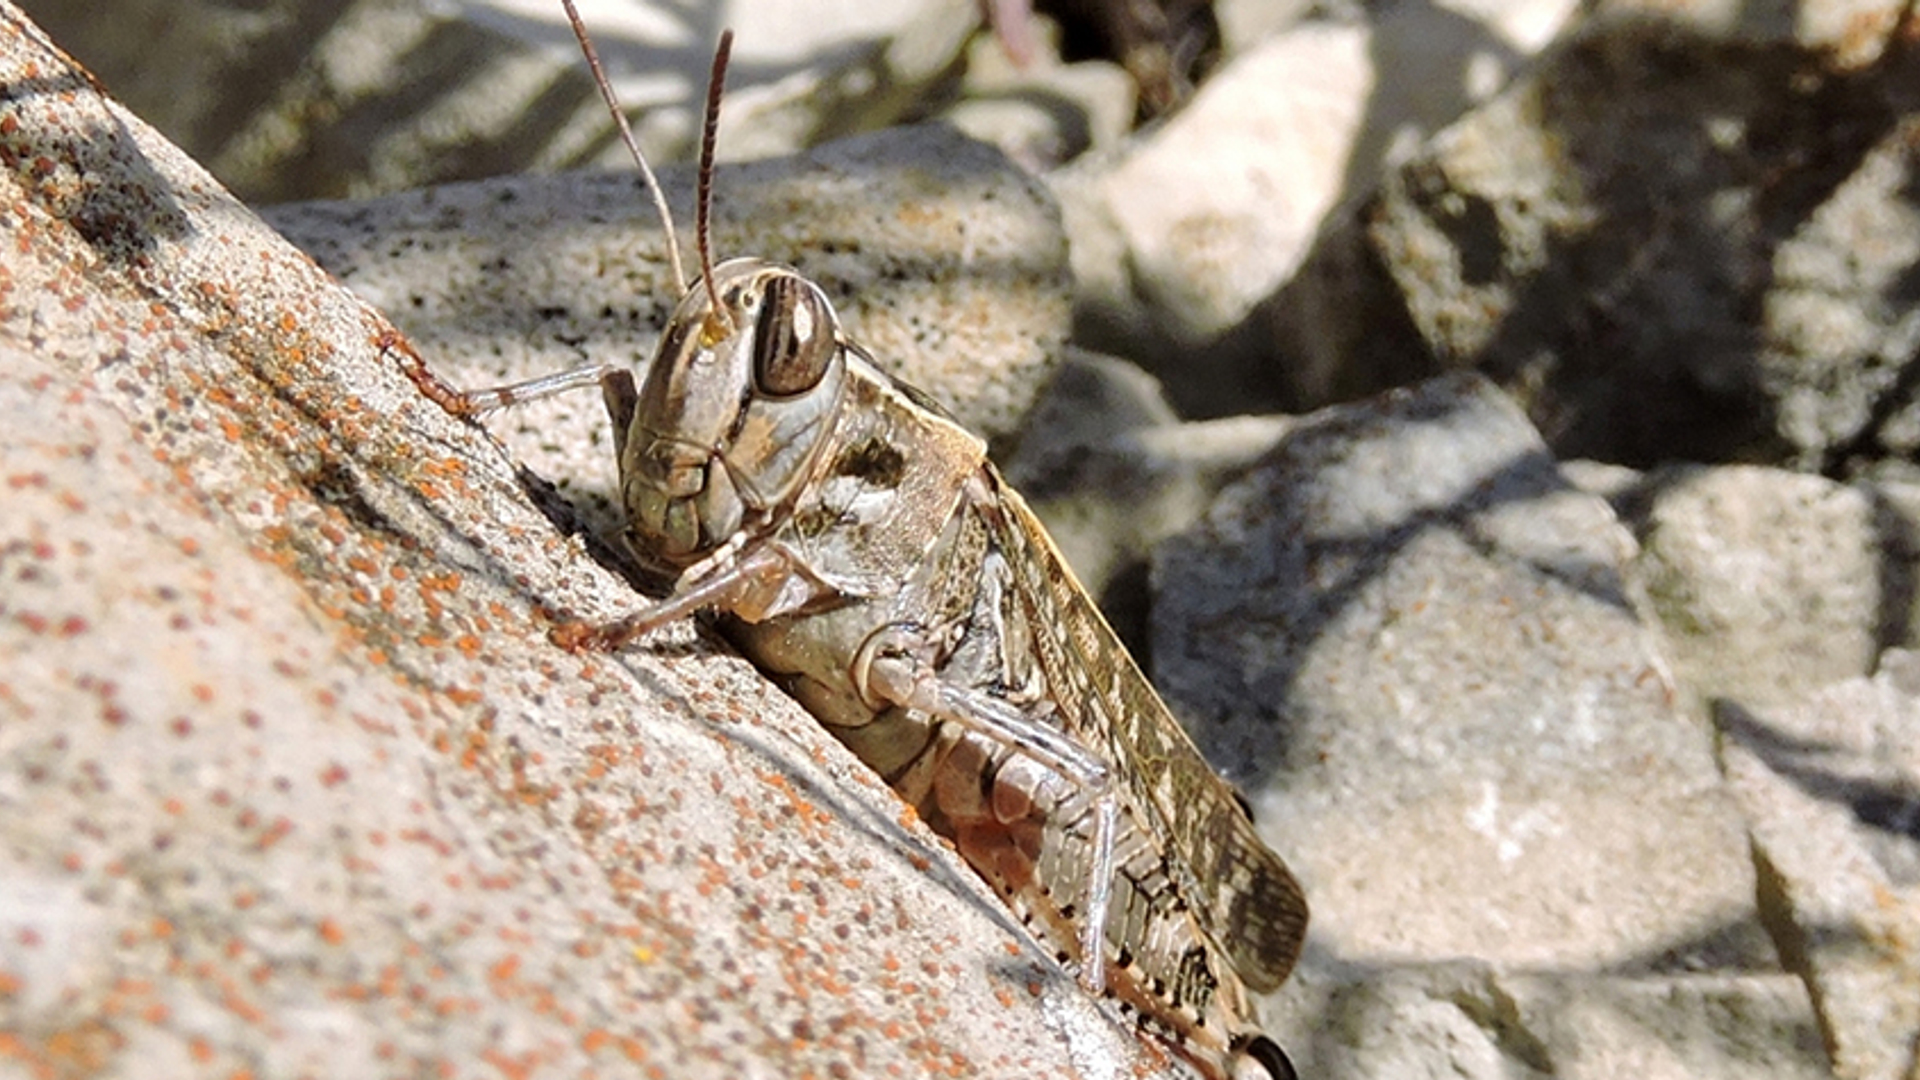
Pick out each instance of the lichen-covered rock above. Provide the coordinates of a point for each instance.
(292, 781)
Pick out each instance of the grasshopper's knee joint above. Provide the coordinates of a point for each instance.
(893, 667)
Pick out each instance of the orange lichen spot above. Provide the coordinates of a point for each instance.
(180, 726)
(231, 1000)
(189, 546)
(505, 969)
(72, 626)
(10, 984)
(467, 644)
(72, 863)
(160, 928)
(334, 774)
(280, 829)
(200, 1049)
(331, 932)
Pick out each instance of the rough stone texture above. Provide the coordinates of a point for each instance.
(944, 260)
(1831, 787)
(293, 99)
(1470, 1021)
(291, 781)
(1408, 615)
(1840, 326)
(1680, 235)
(1773, 584)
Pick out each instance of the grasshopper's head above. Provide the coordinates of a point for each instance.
(739, 399)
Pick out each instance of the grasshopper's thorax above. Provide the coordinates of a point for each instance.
(735, 407)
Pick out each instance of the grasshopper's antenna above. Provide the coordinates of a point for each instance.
(703, 207)
(626, 136)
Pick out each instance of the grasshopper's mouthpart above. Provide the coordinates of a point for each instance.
(682, 501)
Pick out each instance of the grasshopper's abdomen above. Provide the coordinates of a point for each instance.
(1029, 834)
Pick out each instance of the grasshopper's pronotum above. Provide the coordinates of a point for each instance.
(864, 552)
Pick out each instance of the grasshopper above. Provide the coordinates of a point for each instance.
(863, 551)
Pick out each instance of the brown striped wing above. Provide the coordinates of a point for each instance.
(1243, 894)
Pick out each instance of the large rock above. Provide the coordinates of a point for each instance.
(293, 782)
(1424, 654)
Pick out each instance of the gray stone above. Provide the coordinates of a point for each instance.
(1679, 235)
(1839, 329)
(1466, 1019)
(293, 782)
(945, 261)
(1831, 789)
(1421, 651)
(1772, 584)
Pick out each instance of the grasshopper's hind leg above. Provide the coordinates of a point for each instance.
(895, 668)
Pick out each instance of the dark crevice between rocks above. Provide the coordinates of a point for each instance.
(1495, 1012)
(1775, 907)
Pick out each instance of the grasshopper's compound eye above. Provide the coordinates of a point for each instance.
(794, 339)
